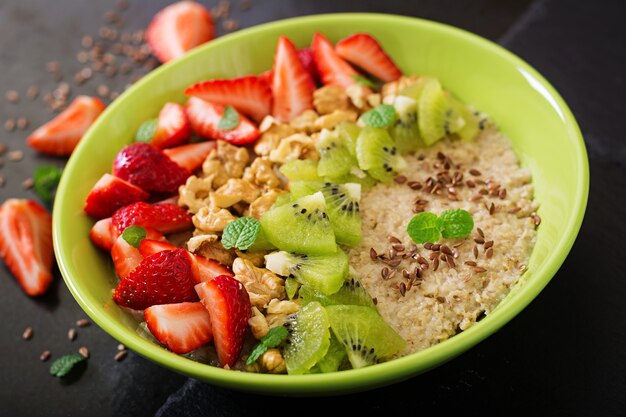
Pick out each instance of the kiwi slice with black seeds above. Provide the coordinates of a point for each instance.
(336, 159)
(308, 340)
(378, 155)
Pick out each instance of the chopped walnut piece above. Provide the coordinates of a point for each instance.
(305, 123)
(212, 219)
(263, 203)
(329, 99)
(234, 191)
(261, 280)
(358, 96)
(275, 320)
(195, 193)
(256, 257)
(272, 361)
(233, 160)
(267, 123)
(374, 100)
(210, 247)
(297, 146)
(277, 306)
(331, 120)
(258, 324)
(261, 173)
(194, 243)
(393, 88)
(214, 172)
(271, 138)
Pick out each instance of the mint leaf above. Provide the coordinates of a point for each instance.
(45, 180)
(65, 364)
(380, 116)
(146, 131)
(133, 235)
(455, 223)
(364, 81)
(229, 120)
(423, 228)
(241, 233)
(272, 339)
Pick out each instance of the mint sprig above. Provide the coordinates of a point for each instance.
(241, 233)
(451, 224)
(422, 228)
(364, 81)
(380, 116)
(229, 120)
(272, 339)
(64, 365)
(45, 180)
(146, 131)
(133, 235)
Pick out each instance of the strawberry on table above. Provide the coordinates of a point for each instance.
(162, 278)
(164, 217)
(126, 257)
(190, 156)
(178, 28)
(181, 327)
(171, 128)
(363, 50)
(292, 85)
(26, 243)
(228, 304)
(333, 69)
(111, 193)
(250, 95)
(205, 120)
(148, 168)
(102, 235)
(60, 135)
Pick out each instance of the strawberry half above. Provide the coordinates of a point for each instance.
(164, 217)
(308, 62)
(332, 68)
(228, 304)
(126, 257)
(178, 28)
(26, 244)
(60, 135)
(162, 278)
(111, 193)
(173, 127)
(250, 95)
(205, 118)
(190, 156)
(181, 327)
(101, 234)
(292, 85)
(363, 50)
(149, 168)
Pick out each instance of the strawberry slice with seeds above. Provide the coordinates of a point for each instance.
(308, 62)
(173, 127)
(126, 257)
(101, 234)
(206, 269)
(363, 50)
(162, 278)
(26, 244)
(190, 156)
(228, 304)
(332, 68)
(250, 95)
(164, 217)
(292, 85)
(181, 327)
(60, 135)
(111, 193)
(205, 118)
(267, 76)
(148, 168)
(178, 28)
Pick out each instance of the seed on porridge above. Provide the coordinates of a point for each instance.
(428, 245)
(489, 253)
(400, 179)
(479, 240)
(393, 239)
(470, 263)
(435, 263)
(480, 232)
(536, 219)
(373, 255)
(402, 288)
(414, 185)
(492, 208)
(475, 251)
(475, 172)
(479, 269)
(488, 244)
(384, 272)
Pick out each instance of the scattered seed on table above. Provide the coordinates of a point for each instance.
(28, 183)
(22, 123)
(28, 333)
(1, 181)
(114, 95)
(103, 90)
(45, 355)
(84, 351)
(71, 334)
(53, 66)
(83, 322)
(245, 5)
(3, 148)
(16, 156)
(9, 125)
(230, 24)
(32, 92)
(121, 5)
(121, 347)
(12, 96)
(119, 356)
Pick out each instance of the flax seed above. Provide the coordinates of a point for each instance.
(22, 123)
(2, 181)
(475, 172)
(28, 183)
(121, 347)
(402, 288)
(45, 355)
(83, 322)
(445, 249)
(492, 209)
(479, 240)
(398, 247)
(451, 262)
(9, 125)
(393, 239)
(405, 273)
(489, 253)
(400, 179)
(12, 96)
(480, 232)
(436, 247)
(84, 352)
(71, 334)
(428, 245)
(119, 356)
(470, 263)
(375, 300)
(32, 92)
(392, 253)
(479, 269)
(422, 260)
(440, 299)
(3, 148)
(470, 183)
(536, 219)
(414, 185)
(475, 251)
(384, 272)
(230, 25)
(488, 244)
(102, 90)
(502, 193)
(15, 156)
(28, 333)
(373, 254)
(435, 264)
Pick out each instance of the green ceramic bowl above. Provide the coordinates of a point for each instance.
(524, 105)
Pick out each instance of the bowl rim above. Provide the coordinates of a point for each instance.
(383, 373)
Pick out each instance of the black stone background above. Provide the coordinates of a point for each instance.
(563, 355)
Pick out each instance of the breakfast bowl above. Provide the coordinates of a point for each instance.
(527, 109)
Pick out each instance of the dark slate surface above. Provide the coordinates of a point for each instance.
(563, 355)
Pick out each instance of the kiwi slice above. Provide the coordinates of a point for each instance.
(377, 154)
(436, 116)
(414, 90)
(342, 206)
(334, 359)
(336, 159)
(351, 292)
(350, 132)
(308, 340)
(472, 120)
(281, 200)
(405, 131)
(367, 338)
(324, 273)
(291, 287)
(301, 226)
(300, 170)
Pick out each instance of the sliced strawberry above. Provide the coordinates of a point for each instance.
(26, 243)
(164, 217)
(149, 168)
(101, 234)
(126, 257)
(111, 193)
(205, 118)
(162, 278)
(250, 95)
(306, 57)
(181, 327)
(363, 50)
(267, 76)
(228, 304)
(173, 127)
(332, 68)
(61, 135)
(190, 156)
(292, 85)
(178, 28)
(207, 269)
